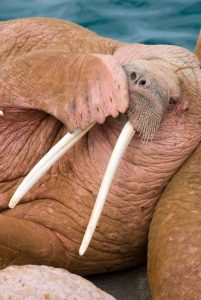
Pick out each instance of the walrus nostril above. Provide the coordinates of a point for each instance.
(142, 82)
(133, 76)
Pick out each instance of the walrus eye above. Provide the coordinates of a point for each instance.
(46, 162)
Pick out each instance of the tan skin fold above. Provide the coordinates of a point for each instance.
(56, 76)
(174, 251)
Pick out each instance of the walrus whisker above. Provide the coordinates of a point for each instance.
(46, 162)
(119, 149)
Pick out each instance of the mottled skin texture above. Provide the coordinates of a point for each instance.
(174, 260)
(50, 66)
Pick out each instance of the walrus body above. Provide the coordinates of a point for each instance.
(56, 76)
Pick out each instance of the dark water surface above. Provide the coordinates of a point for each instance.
(150, 22)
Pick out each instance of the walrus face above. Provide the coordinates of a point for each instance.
(150, 94)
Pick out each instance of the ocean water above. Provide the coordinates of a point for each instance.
(144, 21)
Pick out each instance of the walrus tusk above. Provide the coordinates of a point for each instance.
(1, 113)
(46, 162)
(119, 149)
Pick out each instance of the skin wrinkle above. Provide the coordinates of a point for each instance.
(87, 102)
(11, 249)
(104, 148)
(39, 38)
(79, 71)
(13, 186)
(29, 215)
(86, 164)
(31, 41)
(28, 138)
(27, 148)
(13, 132)
(5, 149)
(75, 211)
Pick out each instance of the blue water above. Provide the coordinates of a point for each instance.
(151, 21)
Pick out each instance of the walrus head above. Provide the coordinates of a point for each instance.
(150, 95)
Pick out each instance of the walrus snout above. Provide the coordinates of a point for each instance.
(145, 113)
(150, 96)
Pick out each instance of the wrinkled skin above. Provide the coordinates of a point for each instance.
(50, 83)
(174, 240)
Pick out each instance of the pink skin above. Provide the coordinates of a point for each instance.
(65, 195)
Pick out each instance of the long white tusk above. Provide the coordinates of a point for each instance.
(119, 149)
(46, 162)
(1, 113)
